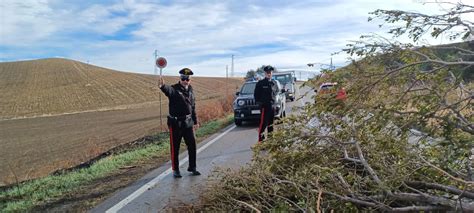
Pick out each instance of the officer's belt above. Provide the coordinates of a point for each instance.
(179, 118)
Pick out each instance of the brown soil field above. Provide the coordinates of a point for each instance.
(52, 119)
(57, 86)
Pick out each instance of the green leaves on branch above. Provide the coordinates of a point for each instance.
(455, 23)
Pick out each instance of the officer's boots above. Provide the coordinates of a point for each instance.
(194, 172)
(177, 174)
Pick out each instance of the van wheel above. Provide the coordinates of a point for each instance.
(238, 122)
(283, 114)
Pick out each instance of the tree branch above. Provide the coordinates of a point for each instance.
(358, 201)
(248, 205)
(455, 48)
(447, 63)
(449, 189)
(464, 128)
(364, 162)
(344, 182)
(469, 183)
(434, 200)
(318, 203)
(420, 209)
(388, 73)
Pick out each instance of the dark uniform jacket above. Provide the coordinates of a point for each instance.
(181, 101)
(265, 92)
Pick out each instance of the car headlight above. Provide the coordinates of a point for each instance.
(240, 102)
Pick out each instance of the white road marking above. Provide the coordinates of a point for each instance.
(301, 98)
(153, 182)
(301, 103)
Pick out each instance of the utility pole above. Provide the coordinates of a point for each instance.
(154, 65)
(226, 81)
(330, 65)
(232, 67)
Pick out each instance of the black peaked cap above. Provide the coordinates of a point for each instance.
(186, 71)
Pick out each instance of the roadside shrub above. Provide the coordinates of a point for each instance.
(215, 108)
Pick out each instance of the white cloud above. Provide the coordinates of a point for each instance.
(200, 35)
(25, 21)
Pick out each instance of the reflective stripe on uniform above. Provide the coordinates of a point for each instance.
(262, 116)
(172, 148)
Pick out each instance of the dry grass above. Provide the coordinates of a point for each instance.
(215, 108)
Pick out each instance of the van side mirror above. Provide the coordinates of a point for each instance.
(283, 90)
(237, 93)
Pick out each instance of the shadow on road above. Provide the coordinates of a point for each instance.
(251, 124)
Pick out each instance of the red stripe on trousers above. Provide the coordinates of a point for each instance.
(172, 148)
(261, 124)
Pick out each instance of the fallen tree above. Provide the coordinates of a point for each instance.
(402, 141)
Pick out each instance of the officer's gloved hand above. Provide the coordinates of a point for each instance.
(259, 104)
(161, 81)
(196, 126)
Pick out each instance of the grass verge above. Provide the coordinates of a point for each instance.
(26, 196)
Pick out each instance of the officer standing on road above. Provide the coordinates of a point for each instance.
(265, 95)
(182, 119)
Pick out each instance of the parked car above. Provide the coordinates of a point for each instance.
(246, 109)
(287, 79)
(331, 90)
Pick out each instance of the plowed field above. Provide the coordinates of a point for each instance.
(58, 113)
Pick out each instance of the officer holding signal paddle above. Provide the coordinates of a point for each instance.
(182, 119)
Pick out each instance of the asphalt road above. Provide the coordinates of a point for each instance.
(158, 190)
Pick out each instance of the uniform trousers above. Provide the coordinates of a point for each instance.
(267, 114)
(176, 133)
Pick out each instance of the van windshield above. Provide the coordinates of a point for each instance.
(283, 79)
(248, 88)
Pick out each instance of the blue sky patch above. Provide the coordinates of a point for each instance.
(124, 34)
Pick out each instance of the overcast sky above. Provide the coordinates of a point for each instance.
(201, 35)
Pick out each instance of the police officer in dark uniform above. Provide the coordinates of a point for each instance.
(181, 119)
(265, 95)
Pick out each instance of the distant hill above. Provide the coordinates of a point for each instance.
(461, 51)
(466, 73)
(57, 86)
